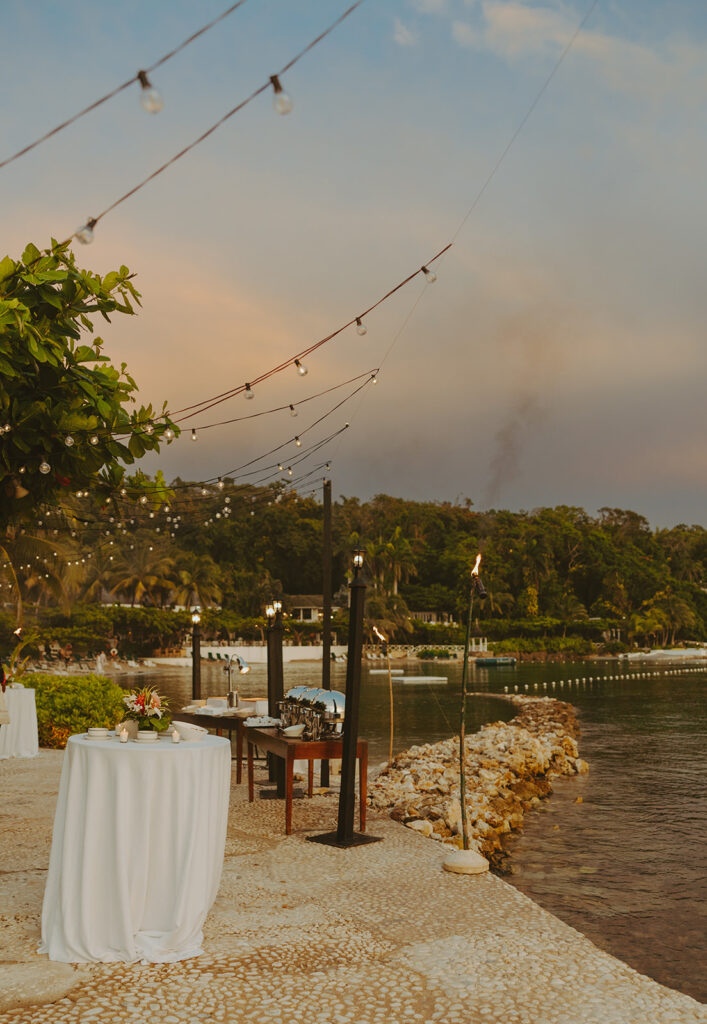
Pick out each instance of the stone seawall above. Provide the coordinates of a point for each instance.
(509, 768)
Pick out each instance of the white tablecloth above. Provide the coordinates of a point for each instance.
(19, 738)
(137, 850)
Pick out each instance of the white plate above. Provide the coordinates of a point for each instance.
(88, 736)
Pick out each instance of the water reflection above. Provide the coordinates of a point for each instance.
(626, 866)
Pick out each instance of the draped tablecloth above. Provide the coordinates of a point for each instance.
(19, 738)
(137, 849)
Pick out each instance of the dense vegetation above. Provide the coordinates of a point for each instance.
(557, 578)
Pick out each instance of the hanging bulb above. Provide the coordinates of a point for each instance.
(249, 391)
(374, 380)
(293, 411)
(220, 484)
(93, 439)
(280, 467)
(69, 441)
(361, 327)
(429, 274)
(143, 499)
(84, 234)
(149, 427)
(289, 470)
(193, 434)
(281, 101)
(44, 467)
(204, 491)
(150, 98)
(301, 368)
(298, 442)
(22, 469)
(123, 492)
(169, 433)
(328, 465)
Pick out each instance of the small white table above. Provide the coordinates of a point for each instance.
(137, 849)
(19, 738)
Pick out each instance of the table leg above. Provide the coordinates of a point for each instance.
(239, 754)
(289, 773)
(310, 768)
(250, 772)
(363, 786)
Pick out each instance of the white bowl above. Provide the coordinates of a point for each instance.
(147, 736)
(293, 731)
(187, 731)
(98, 734)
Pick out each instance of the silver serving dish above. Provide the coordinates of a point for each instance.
(320, 711)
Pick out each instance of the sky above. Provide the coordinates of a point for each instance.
(558, 358)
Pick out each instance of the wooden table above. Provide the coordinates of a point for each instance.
(291, 750)
(221, 723)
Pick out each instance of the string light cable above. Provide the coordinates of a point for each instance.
(150, 98)
(282, 103)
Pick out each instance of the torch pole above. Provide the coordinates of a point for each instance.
(390, 697)
(462, 724)
(326, 611)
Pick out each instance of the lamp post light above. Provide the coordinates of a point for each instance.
(196, 655)
(276, 686)
(345, 836)
(243, 669)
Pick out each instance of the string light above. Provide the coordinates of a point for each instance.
(84, 234)
(150, 98)
(44, 467)
(220, 484)
(293, 411)
(249, 392)
(430, 275)
(193, 434)
(149, 427)
(169, 434)
(298, 442)
(69, 441)
(301, 368)
(93, 439)
(361, 327)
(281, 101)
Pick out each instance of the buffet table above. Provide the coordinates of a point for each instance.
(137, 849)
(291, 750)
(19, 738)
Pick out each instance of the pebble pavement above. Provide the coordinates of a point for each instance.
(306, 933)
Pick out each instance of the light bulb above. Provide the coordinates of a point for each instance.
(361, 327)
(44, 467)
(84, 234)
(143, 499)
(293, 411)
(123, 492)
(69, 441)
(249, 391)
(298, 442)
(169, 433)
(204, 491)
(220, 484)
(429, 274)
(193, 434)
(280, 467)
(22, 469)
(289, 470)
(301, 368)
(281, 101)
(149, 427)
(150, 98)
(374, 379)
(93, 439)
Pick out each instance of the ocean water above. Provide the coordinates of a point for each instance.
(626, 865)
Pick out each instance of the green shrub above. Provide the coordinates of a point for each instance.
(71, 704)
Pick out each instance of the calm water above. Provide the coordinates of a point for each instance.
(628, 865)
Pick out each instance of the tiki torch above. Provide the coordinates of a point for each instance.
(466, 861)
(386, 651)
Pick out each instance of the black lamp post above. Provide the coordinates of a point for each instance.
(195, 655)
(276, 685)
(345, 836)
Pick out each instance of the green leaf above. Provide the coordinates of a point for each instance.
(7, 267)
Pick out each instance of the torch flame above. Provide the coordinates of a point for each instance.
(380, 635)
(477, 563)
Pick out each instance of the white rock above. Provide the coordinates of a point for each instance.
(465, 862)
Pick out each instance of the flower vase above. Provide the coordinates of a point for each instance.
(130, 726)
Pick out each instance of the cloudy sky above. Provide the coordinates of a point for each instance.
(559, 357)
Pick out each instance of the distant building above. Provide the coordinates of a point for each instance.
(306, 607)
(434, 618)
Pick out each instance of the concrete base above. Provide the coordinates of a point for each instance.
(465, 862)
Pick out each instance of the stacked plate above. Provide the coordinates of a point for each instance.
(97, 734)
(147, 736)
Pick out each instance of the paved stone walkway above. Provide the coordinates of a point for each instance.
(309, 934)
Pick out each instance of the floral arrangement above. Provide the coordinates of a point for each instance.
(148, 709)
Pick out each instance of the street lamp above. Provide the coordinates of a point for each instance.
(243, 669)
(196, 655)
(276, 685)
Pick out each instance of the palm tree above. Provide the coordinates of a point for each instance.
(199, 580)
(141, 570)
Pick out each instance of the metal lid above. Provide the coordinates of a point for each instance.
(296, 692)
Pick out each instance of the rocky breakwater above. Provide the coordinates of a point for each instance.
(509, 768)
